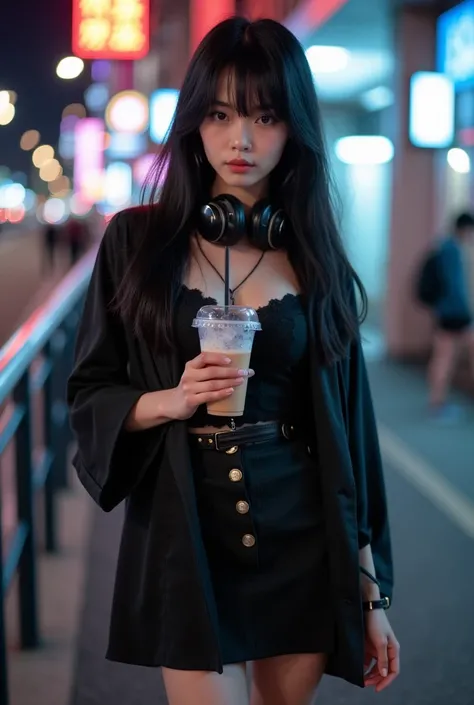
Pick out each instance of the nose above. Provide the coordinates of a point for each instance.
(241, 136)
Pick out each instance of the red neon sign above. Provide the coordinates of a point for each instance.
(111, 29)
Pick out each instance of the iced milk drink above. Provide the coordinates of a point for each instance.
(228, 330)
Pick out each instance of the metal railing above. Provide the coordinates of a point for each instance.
(34, 430)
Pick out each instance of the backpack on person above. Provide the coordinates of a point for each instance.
(429, 284)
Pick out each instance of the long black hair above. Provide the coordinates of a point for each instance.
(268, 65)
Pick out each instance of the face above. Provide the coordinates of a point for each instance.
(243, 150)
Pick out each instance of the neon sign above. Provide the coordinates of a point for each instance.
(111, 29)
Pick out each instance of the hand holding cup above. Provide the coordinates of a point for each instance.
(209, 377)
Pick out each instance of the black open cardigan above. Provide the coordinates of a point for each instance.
(163, 608)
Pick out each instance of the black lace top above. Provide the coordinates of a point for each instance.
(280, 389)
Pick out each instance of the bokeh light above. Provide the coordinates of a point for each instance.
(12, 195)
(70, 67)
(15, 215)
(50, 170)
(54, 211)
(13, 97)
(75, 109)
(4, 99)
(29, 139)
(7, 113)
(30, 199)
(60, 186)
(78, 207)
(127, 111)
(459, 160)
(42, 154)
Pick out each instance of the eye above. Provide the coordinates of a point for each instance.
(218, 116)
(267, 119)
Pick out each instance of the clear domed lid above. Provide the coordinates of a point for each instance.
(222, 316)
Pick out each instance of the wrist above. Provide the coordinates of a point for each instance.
(371, 606)
(166, 404)
(370, 592)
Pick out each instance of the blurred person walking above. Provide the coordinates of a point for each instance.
(453, 315)
(50, 245)
(77, 237)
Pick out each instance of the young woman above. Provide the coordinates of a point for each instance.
(262, 540)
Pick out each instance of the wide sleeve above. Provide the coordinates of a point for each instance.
(372, 510)
(109, 460)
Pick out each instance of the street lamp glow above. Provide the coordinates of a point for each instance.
(50, 170)
(42, 154)
(29, 139)
(70, 67)
(459, 160)
(7, 113)
(327, 59)
(4, 100)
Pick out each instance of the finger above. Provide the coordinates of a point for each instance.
(209, 358)
(382, 658)
(214, 385)
(207, 397)
(385, 682)
(394, 666)
(206, 373)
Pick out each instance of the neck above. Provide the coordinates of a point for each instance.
(247, 196)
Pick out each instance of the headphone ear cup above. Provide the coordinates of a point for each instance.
(222, 220)
(258, 220)
(211, 223)
(267, 226)
(236, 222)
(278, 230)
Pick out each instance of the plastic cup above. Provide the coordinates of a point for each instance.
(229, 330)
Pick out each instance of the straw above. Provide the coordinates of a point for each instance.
(227, 277)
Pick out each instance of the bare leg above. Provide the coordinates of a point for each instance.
(287, 680)
(441, 366)
(207, 687)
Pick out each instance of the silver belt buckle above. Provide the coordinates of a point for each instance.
(216, 435)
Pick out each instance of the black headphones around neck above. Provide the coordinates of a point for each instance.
(223, 221)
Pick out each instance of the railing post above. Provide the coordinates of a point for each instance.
(51, 481)
(71, 325)
(3, 635)
(25, 508)
(58, 407)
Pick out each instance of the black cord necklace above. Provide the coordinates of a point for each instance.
(231, 291)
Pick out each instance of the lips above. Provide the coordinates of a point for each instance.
(239, 162)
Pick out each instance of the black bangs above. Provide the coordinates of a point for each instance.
(252, 84)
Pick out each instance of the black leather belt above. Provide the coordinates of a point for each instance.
(255, 433)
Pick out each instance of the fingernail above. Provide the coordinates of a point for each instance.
(227, 360)
(243, 373)
(384, 673)
(251, 373)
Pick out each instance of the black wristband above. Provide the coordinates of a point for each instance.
(382, 604)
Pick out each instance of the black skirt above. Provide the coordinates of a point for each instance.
(261, 514)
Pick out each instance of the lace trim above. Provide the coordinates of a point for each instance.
(267, 307)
